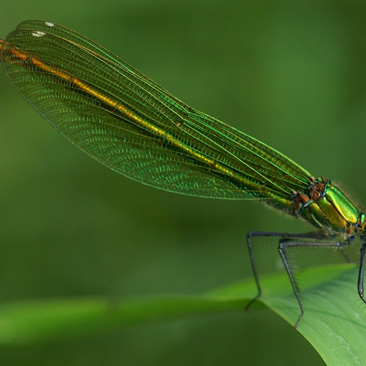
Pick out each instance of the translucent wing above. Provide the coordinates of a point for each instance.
(126, 121)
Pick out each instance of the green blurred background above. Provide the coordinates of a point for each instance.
(289, 73)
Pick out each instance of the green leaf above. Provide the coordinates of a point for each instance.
(334, 321)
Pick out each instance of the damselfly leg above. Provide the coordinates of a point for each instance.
(287, 241)
(361, 271)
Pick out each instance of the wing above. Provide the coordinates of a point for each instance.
(130, 124)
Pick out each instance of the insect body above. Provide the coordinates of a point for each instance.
(127, 122)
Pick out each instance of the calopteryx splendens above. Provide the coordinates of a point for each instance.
(130, 124)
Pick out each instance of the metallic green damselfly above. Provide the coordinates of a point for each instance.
(127, 122)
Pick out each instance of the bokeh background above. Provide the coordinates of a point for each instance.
(289, 73)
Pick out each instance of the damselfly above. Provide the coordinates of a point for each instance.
(130, 124)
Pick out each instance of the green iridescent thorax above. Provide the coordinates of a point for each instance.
(326, 207)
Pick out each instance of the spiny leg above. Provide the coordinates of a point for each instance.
(254, 234)
(284, 245)
(361, 271)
